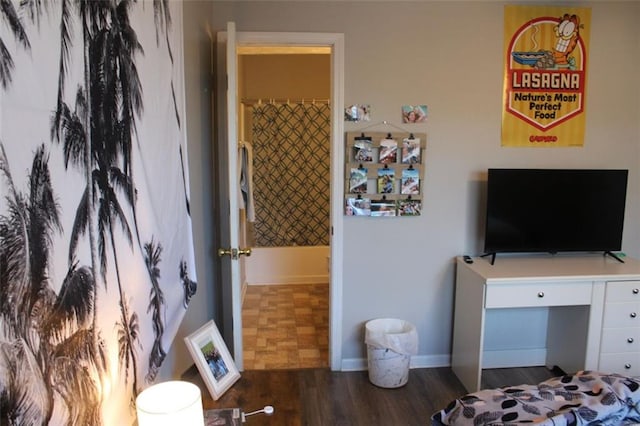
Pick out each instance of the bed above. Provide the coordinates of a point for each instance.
(584, 398)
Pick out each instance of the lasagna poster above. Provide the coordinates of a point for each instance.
(545, 76)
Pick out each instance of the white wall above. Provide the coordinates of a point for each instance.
(449, 56)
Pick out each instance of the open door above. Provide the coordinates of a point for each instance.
(227, 185)
(227, 165)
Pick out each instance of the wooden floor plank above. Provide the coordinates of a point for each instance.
(320, 397)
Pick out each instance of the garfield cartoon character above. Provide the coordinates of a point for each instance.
(567, 32)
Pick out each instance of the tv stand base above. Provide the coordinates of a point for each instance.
(615, 256)
(493, 257)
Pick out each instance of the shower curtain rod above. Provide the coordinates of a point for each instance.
(285, 101)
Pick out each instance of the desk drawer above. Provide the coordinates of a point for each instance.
(537, 294)
(627, 363)
(618, 315)
(623, 291)
(620, 340)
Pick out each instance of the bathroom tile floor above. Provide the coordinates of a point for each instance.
(285, 326)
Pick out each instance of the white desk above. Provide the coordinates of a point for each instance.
(593, 302)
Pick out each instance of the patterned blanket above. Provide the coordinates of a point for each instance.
(586, 398)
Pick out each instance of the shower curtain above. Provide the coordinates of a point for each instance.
(291, 159)
(97, 262)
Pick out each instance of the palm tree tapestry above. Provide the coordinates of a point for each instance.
(96, 252)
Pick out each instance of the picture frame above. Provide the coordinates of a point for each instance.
(212, 358)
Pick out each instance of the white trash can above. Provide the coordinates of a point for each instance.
(390, 344)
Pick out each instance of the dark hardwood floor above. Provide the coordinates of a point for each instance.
(320, 397)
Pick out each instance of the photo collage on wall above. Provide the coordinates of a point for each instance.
(409, 114)
(394, 181)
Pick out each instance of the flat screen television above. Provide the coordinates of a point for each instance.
(554, 210)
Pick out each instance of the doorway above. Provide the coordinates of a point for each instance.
(284, 124)
(231, 283)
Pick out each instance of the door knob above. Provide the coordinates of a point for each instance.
(224, 252)
(234, 253)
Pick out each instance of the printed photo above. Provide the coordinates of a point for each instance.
(363, 150)
(357, 207)
(357, 112)
(358, 181)
(381, 208)
(388, 151)
(410, 182)
(386, 181)
(214, 361)
(414, 113)
(409, 207)
(411, 151)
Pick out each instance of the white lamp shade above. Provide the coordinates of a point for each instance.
(170, 403)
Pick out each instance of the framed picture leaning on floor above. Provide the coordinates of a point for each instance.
(212, 359)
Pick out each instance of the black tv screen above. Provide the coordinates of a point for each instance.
(554, 210)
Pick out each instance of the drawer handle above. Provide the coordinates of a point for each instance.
(636, 291)
(633, 315)
(630, 340)
(627, 366)
(541, 294)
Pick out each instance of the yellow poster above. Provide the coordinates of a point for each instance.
(545, 75)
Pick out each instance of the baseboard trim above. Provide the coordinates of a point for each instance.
(492, 359)
(417, 361)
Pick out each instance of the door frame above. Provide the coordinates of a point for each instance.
(336, 42)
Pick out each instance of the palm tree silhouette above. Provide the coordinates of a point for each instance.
(156, 301)
(189, 286)
(75, 129)
(10, 16)
(97, 138)
(47, 351)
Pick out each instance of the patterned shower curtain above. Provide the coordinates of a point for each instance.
(96, 252)
(291, 150)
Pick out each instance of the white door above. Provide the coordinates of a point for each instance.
(227, 166)
(228, 176)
